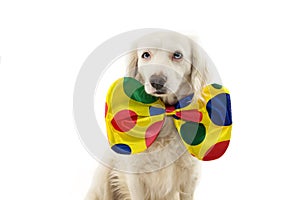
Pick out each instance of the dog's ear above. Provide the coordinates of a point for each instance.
(199, 71)
(131, 70)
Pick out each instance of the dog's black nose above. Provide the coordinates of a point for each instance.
(157, 81)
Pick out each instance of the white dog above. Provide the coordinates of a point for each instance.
(171, 67)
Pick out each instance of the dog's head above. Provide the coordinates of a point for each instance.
(170, 66)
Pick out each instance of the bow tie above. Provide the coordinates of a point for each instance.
(135, 118)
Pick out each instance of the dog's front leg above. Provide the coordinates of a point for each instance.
(187, 189)
(186, 196)
(189, 173)
(135, 187)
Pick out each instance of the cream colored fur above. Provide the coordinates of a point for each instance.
(178, 179)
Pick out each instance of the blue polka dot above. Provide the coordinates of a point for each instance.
(121, 149)
(156, 111)
(184, 102)
(219, 110)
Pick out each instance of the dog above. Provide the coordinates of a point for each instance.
(170, 66)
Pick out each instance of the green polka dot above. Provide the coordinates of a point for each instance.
(217, 86)
(192, 133)
(136, 91)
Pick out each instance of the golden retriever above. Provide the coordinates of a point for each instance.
(171, 66)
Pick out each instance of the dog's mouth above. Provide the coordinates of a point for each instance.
(160, 92)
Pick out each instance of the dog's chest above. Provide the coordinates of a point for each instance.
(162, 181)
(170, 179)
(169, 159)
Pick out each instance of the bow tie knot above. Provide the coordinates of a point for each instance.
(170, 110)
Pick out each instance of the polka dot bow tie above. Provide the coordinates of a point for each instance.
(135, 118)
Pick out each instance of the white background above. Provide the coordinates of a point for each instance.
(254, 44)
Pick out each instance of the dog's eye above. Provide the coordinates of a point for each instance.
(146, 55)
(177, 55)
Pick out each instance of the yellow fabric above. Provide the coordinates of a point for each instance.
(134, 118)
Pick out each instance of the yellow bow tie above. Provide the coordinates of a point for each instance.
(135, 118)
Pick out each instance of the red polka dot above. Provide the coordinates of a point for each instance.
(152, 132)
(216, 151)
(190, 115)
(106, 107)
(124, 120)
